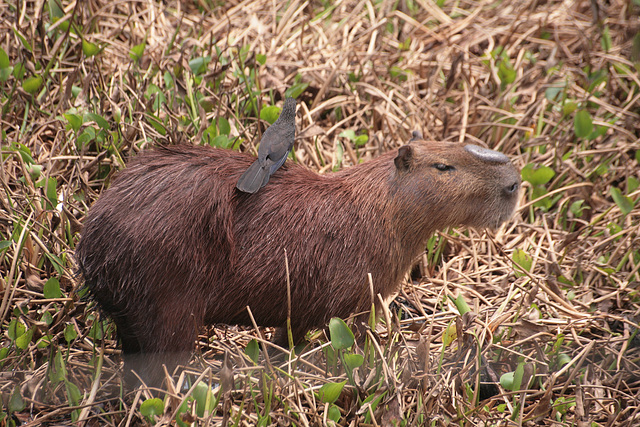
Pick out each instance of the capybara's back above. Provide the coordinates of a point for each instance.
(173, 245)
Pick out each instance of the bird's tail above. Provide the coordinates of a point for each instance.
(253, 179)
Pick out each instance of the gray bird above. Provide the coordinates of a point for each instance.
(276, 143)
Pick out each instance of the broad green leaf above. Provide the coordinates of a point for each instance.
(270, 114)
(330, 392)
(624, 203)
(52, 288)
(252, 350)
(70, 333)
(89, 49)
(16, 402)
(582, 124)
(152, 407)
(553, 93)
(334, 414)
(351, 135)
(461, 304)
(296, 90)
(16, 328)
(262, 59)
(353, 361)
(57, 369)
(5, 66)
(32, 84)
(341, 335)
(205, 400)
(569, 107)
(137, 51)
(199, 65)
(100, 121)
(361, 140)
(224, 128)
(23, 341)
(4, 59)
(539, 175)
(73, 393)
(74, 120)
(523, 260)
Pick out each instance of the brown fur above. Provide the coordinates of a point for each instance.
(172, 245)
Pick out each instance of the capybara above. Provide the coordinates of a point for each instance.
(173, 245)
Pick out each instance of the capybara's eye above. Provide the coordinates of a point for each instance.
(443, 168)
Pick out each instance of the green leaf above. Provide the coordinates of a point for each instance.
(45, 341)
(89, 49)
(70, 333)
(152, 407)
(52, 195)
(74, 120)
(19, 71)
(57, 369)
(23, 341)
(16, 402)
(352, 361)
(624, 203)
(296, 90)
(334, 414)
(582, 124)
(552, 93)
(270, 114)
(137, 51)
(523, 260)
(73, 393)
(100, 121)
(16, 328)
(23, 40)
(5, 66)
(361, 140)
(52, 288)
(4, 59)
(224, 128)
(262, 59)
(632, 185)
(4, 244)
(539, 175)
(341, 335)
(252, 350)
(461, 304)
(635, 48)
(513, 380)
(569, 107)
(199, 65)
(32, 84)
(506, 73)
(606, 39)
(330, 392)
(351, 135)
(205, 401)
(156, 123)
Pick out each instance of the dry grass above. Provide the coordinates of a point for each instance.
(524, 77)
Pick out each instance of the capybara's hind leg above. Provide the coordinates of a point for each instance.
(169, 343)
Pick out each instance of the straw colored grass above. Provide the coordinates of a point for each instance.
(551, 84)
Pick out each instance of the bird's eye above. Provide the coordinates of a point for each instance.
(443, 168)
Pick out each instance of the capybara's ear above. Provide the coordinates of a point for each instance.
(404, 158)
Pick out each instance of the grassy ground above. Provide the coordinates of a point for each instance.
(552, 298)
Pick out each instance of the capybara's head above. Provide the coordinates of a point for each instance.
(465, 184)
